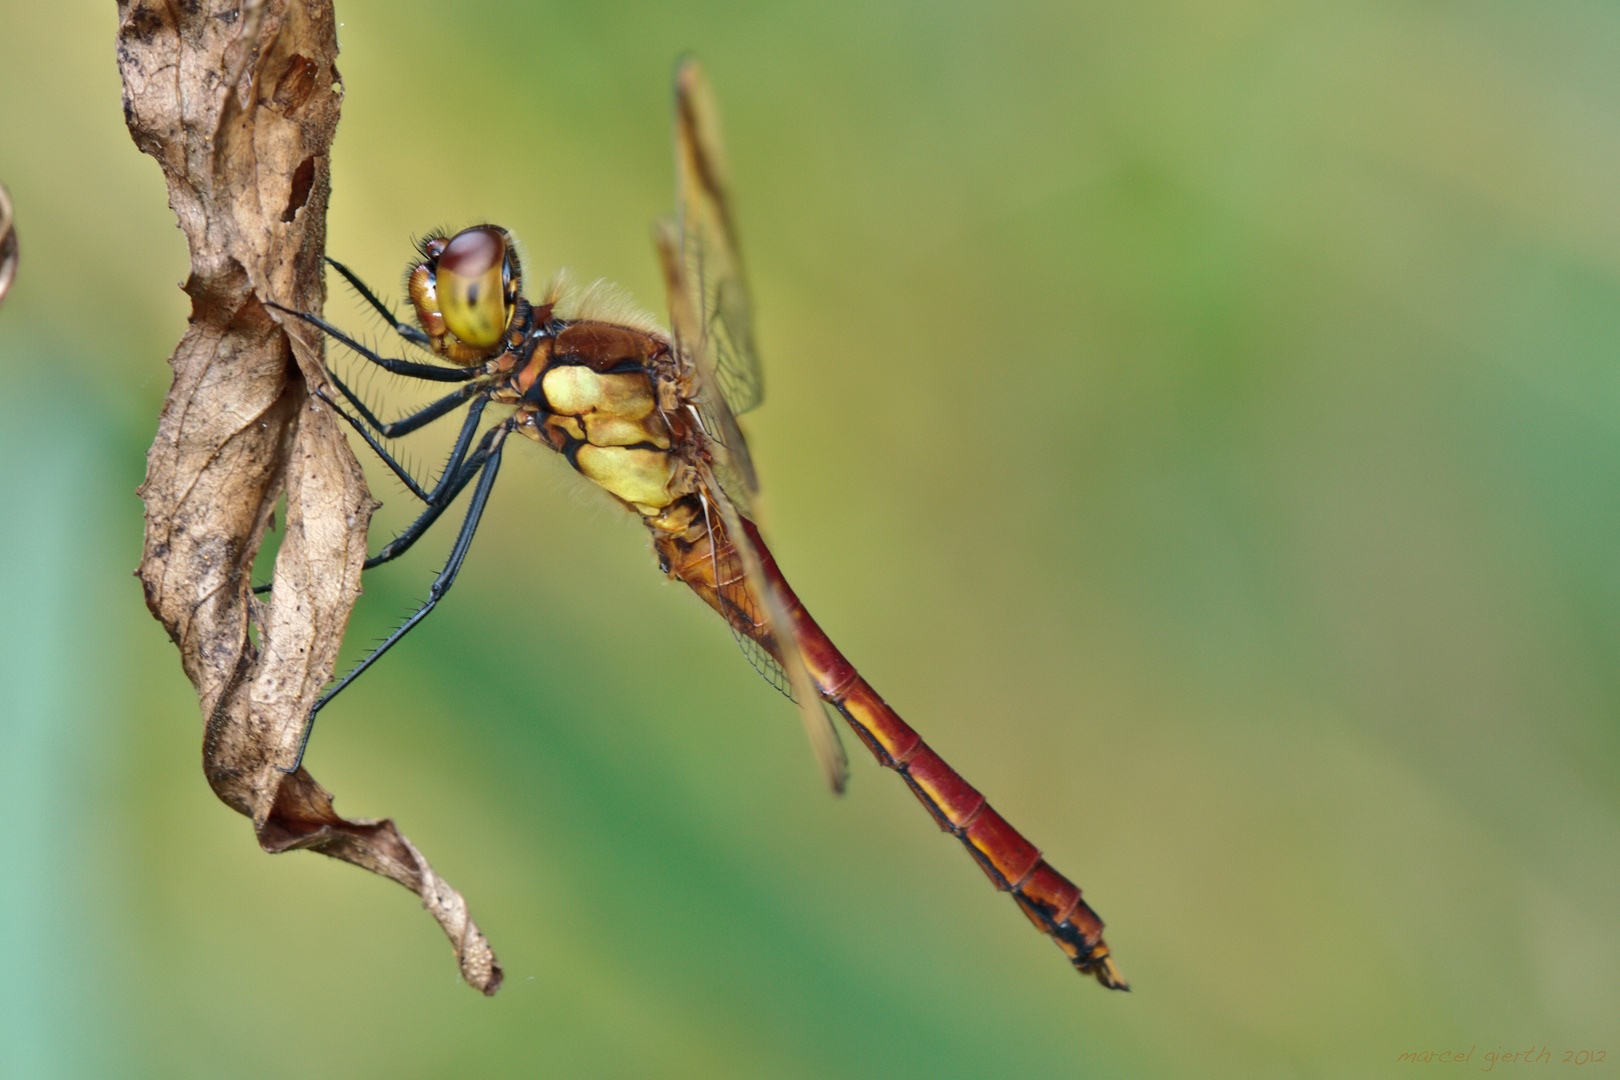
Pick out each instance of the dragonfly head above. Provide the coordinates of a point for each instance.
(465, 291)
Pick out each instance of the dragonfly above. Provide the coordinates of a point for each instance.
(650, 415)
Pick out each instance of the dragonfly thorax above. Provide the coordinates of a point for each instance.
(592, 391)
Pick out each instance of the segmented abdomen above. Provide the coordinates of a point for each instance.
(1012, 863)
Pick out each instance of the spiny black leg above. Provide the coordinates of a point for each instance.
(473, 413)
(407, 424)
(404, 330)
(443, 495)
(441, 585)
(425, 372)
(445, 491)
(456, 475)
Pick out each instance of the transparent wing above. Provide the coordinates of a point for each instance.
(709, 243)
(735, 600)
(732, 465)
(728, 489)
(753, 591)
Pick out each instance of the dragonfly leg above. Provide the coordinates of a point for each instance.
(457, 473)
(490, 466)
(394, 466)
(403, 329)
(409, 368)
(419, 419)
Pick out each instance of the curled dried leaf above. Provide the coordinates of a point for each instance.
(238, 102)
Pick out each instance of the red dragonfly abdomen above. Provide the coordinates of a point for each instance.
(1012, 863)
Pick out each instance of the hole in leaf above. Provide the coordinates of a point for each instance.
(303, 180)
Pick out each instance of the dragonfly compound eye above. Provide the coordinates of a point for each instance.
(470, 285)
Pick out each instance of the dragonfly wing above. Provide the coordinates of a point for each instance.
(709, 243)
(818, 725)
(728, 479)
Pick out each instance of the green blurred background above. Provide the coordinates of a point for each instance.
(1202, 421)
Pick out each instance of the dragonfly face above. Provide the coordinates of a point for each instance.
(651, 416)
(465, 291)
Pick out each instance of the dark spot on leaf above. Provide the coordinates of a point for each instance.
(143, 23)
(296, 83)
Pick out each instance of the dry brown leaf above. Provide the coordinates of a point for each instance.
(238, 101)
